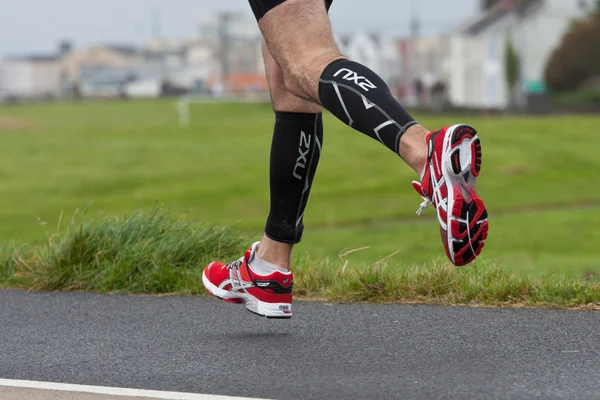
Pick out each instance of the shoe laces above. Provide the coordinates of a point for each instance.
(436, 194)
(234, 275)
(236, 264)
(426, 202)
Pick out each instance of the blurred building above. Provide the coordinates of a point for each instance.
(478, 50)
(224, 56)
(236, 45)
(376, 51)
(97, 55)
(91, 70)
(158, 69)
(30, 77)
(425, 70)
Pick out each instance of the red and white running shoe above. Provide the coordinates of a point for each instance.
(268, 296)
(448, 183)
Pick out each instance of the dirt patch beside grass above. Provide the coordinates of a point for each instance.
(13, 124)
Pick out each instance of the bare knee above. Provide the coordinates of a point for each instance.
(286, 101)
(301, 76)
(282, 98)
(298, 35)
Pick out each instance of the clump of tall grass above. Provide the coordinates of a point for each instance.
(155, 252)
(143, 252)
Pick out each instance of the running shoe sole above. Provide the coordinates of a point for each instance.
(252, 304)
(467, 217)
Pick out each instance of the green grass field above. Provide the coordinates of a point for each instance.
(540, 180)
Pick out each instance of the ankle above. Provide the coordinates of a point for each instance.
(413, 148)
(275, 253)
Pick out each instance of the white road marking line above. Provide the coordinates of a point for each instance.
(154, 394)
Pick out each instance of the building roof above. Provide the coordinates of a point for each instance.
(345, 39)
(34, 57)
(162, 54)
(496, 13)
(125, 50)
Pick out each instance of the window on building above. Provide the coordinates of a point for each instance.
(431, 67)
(492, 90)
(493, 49)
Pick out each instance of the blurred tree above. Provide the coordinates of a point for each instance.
(512, 66)
(577, 59)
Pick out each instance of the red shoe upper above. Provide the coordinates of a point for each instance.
(425, 188)
(463, 227)
(237, 277)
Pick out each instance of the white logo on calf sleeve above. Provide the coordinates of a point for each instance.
(358, 80)
(301, 161)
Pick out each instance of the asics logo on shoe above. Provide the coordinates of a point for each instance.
(358, 80)
(235, 284)
(301, 161)
(439, 201)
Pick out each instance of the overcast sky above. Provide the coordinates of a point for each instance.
(37, 25)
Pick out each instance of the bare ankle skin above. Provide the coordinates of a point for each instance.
(276, 253)
(413, 148)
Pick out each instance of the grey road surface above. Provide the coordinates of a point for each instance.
(327, 351)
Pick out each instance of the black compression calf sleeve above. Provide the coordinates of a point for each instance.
(295, 154)
(361, 99)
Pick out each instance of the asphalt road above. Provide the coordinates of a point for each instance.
(327, 351)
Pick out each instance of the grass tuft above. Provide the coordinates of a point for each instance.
(157, 253)
(441, 284)
(143, 252)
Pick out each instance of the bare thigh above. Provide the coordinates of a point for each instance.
(281, 98)
(299, 37)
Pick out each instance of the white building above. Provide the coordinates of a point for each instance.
(477, 49)
(234, 25)
(240, 35)
(31, 77)
(425, 69)
(378, 52)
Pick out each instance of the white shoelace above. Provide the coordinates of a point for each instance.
(437, 194)
(234, 276)
(426, 202)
